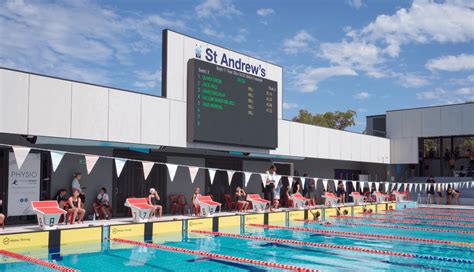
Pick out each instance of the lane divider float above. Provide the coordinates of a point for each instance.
(32, 260)
(368, 235)
(333, 246)
(407, 221)
(429, 213)
(216, 256)
(424, 216)
(394, 227)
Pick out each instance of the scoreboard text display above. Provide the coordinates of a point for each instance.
(226, 106)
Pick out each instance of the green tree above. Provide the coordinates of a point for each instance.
(338, 119)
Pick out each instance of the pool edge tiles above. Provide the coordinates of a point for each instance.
(277, 218)
(72, 238)
(167, 231)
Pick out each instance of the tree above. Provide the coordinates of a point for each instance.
(338, 120)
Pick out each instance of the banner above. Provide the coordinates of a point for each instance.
(56, 158)
(147, 167)
(172, 168)
(247, 176)
(119, 164)
(23, 184)
(20, 154)
(90, 162)
(193, 171)
(212, 174)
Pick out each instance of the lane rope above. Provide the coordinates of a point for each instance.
(430, 213)
(407, 221)
(37, 261)
(368, 235)
(393, 227)
(216, 256)
(333, 246)
(424, 217)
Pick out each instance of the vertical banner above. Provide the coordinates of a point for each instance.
(172, 168)
(23, 184)
(147, 166)
(212, 174)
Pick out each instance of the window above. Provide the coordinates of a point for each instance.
(462, 146)
(431, 148)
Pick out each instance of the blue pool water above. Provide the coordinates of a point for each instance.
(118, 257)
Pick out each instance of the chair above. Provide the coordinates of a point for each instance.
(258, 204)
(48, 213)
(380, 197)
(140, 208)
(358, 198)
(330, 200)
(207, 206)
(299, 201)
(177, 204)
(399, 197)
(229, 204)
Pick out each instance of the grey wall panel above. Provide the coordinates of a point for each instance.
(14, 88)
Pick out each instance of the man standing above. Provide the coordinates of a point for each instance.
(431, 190)
(270, 184)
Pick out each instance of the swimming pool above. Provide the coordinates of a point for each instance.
(347, 244)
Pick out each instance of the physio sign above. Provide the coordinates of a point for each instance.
(222, 59)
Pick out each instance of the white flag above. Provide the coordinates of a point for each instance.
(370, 185)
(56, 158)
(455, 185)
(277, 180)
(409, 187)
(377, 186)
(399, 186)
(212, 174)
(303, 181)
(247, 176)
(20, 154)
(193, 172)
(264, 179)
(362, 185)
(90, 162)
(354, 185)
(325, 184)
(472, 183)
(344, 185)
(147, 166)
(230, 174)
(172, 168)
(119, 164)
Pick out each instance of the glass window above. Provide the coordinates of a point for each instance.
(447, 152)
(462, 146)
(431, 148)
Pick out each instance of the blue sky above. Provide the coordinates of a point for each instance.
(369, 56)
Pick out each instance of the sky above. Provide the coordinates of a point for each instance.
(368, 56)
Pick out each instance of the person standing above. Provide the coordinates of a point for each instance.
(431, 190)
(76, 185)
(269, 191)
(311, 192)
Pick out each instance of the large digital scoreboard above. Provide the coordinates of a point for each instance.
(226, 106)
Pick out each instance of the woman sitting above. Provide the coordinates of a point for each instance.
(61, 198)
(240, 195)
(102, 203)
(75, 207)
(197, 193)
(154, 200)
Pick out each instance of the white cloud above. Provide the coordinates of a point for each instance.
(301, 41)
(209, 31)
(362, 95)
(443, 96)
(357, 4)
(216, 8)
(451, 63)
(412, 80)
(76, 39)
(147, 79)
(289, 106)
(264, 12)
(307, 81)
(240, 37)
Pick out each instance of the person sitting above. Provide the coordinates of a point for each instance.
(154, 200)
(197, 193)
(102, 204)
(75, 207)
(341, 193)
(240, 195)
(61, 198)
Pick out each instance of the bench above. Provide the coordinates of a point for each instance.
(48, 213)
(299, 201)
(207, 206)
(258, 203)
(140, 208)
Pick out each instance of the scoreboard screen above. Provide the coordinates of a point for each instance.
(226, 106)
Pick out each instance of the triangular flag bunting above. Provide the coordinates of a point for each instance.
(20, 154)
(303, 182)
(212, 174)
(90, 162)
(264, 179)
(56, 158)
(193, 172)
(230, 174)
(354, 185)
(247, 176)
(377, 186)
(370, 185)
(147, 166)
(399, 186)
(119, 164)
(277, 180)
(172, 168)
(409, 187)
(344, 184)
(325, 184)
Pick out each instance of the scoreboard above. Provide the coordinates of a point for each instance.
(226, 106)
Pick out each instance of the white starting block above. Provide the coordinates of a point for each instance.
(299, 201)
(399, 197)
(48, 213)
(141, 210)
(380, 197)
(259, 204)
(207, 206)
(358, 198)
(330, 200)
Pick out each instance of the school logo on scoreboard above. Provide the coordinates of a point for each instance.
(197, 51)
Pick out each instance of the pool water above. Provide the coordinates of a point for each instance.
(116, 257)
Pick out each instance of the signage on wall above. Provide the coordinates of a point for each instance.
(23, 184)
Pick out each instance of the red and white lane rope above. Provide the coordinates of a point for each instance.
(216, 256)
(469, 211)
(37, 261)
(369, 235)
(332, 246)
(395, 227)
(407, 221)
(447, 218)
(430, 213)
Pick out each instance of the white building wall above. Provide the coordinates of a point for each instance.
(67, 109)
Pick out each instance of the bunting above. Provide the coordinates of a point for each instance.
(172, 168)
(230, 174)
(147, 167)
(325, 184)
(264, 179)
(212, 174)
(20, 154)
(354, 185)
(377, 186)
(193, 171)
(119, 164)
(56, 158)
(247, 176)
(303, 181)
(90, 162)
